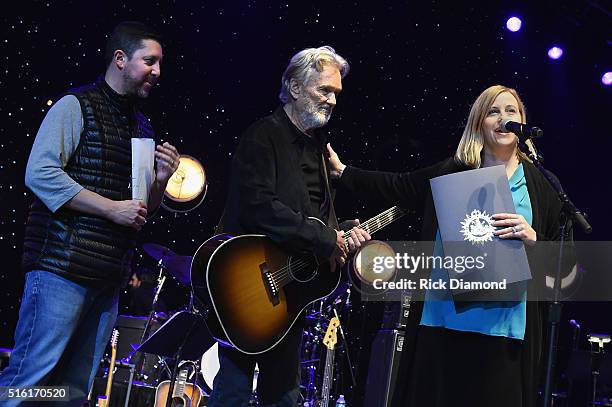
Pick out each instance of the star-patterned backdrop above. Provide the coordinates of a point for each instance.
(415, 69)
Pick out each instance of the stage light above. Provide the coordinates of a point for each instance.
(187, 187)
(514, 24)
(555, 53)
(606, 79)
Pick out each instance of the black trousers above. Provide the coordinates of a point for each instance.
(454, 368)
(278, 379)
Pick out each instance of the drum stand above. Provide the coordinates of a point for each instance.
(310, 353)
(140, 374)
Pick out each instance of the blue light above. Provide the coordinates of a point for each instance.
(514, 24)
(555, 53)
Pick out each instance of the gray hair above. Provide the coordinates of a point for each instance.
(301, 65)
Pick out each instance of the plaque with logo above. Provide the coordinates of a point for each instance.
(474, 257)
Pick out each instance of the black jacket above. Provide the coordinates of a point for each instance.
(267, 192)
(81, 247)
(412, 190)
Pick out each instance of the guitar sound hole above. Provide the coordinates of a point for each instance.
(303, 268)
(178, 402)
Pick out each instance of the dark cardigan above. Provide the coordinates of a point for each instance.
(412, 190)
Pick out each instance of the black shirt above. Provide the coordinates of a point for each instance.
(270, 192)
(313, 175)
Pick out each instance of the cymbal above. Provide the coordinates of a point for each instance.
(157, 251)
(180, 268)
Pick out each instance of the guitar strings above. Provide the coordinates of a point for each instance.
(283, 276)
(279, 276)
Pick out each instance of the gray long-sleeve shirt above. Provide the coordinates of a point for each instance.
(57, 139)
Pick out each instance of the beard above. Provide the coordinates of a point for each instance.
(136, 86)
(315, 116)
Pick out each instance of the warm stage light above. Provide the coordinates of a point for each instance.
(606, 79)
(514, 24)
(555, 53)
(187, 184)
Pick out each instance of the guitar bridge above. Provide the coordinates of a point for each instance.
(272, 288)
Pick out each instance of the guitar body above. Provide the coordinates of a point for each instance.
(256, 290)
(253, 291)
(191, 397)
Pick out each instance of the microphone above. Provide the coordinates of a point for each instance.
(523, 131)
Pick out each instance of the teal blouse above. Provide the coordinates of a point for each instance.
(489, 318)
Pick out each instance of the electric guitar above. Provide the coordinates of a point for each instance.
(254, 290)
(183, 395)
(104, 401)
(329, 341)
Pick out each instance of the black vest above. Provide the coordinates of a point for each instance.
(78, 246)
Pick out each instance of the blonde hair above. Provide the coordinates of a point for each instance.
(304, 62)
(471, 144)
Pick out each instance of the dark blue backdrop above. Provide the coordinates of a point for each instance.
(415, 69)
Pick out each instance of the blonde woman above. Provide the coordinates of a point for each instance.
(489, 354)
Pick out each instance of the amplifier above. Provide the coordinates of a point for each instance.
(130, 332)
(382, 370)
(396, 311)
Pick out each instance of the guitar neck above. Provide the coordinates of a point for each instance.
(379, 221)
(179, 387)
(111, 369)
(327, 377)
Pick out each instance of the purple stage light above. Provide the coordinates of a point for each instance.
(514, 24)
(555, 53)
(606, 79)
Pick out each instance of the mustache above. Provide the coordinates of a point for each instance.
(325, 109)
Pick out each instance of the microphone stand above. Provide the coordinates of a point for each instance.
(346, 350)
(145, 333)
(569, 214)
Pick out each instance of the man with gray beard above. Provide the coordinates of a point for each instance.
(278, 182)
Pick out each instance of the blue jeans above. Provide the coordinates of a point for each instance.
(61, 335)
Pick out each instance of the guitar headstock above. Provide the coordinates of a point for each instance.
(331, 339)
(114, 338)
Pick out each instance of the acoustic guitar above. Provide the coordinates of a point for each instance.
(184, 394)
(255, 290)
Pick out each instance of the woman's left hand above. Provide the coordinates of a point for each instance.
(514, 227)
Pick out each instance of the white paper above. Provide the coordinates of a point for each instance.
(143, 159)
